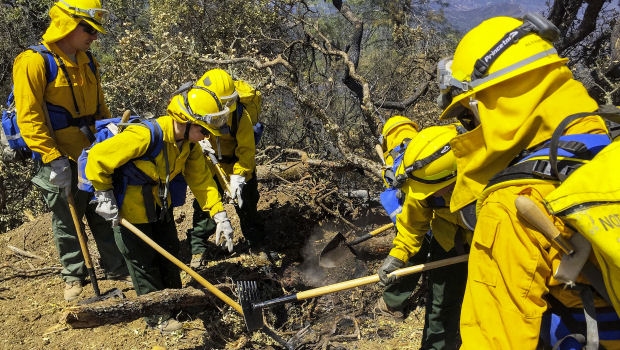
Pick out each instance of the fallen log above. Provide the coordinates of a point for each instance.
(125, 310)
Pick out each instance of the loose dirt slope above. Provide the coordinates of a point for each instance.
(31, 301)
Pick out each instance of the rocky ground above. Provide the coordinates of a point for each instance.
(298, 225)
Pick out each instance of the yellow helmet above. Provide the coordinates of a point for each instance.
(220, 82)
(198, 105)
(496, 50)
(396, 130)
(86, 10)
(429, 163)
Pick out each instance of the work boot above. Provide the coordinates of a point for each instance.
(381, 308)
(72, 290)
(168, 326)
(196, 261)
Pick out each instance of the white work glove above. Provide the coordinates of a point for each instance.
(106, 206)
(61, 172)
(206, 146)
(236, 187)
(223, 228)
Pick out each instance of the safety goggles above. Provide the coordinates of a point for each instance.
(88, 28)
(98, 15)
(532, 23)
(230, 100)
(215, 120)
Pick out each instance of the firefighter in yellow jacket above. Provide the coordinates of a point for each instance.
(149, 210)
(232, 144)
(510, 88)
(426, 175)
(73, 99)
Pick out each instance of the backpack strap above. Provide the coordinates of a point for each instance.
(609, 112)
(93, 68)
(235, 122)
(51, 68)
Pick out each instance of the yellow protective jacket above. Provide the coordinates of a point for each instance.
(417, 218)
(31, 90)
(237, 153)
(133, 142)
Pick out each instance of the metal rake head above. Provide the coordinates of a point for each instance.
(248, 295)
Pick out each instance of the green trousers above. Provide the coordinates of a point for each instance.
(446, 287)
(65, 235)
(252, 227)
(443, 302)
(149, 270)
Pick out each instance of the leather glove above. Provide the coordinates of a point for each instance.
(223, 228)
(206, 147)
(236, 187)
(106, 206)
(389, 264)
(61, 172)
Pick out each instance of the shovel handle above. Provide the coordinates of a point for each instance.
(83, 245)
(527, 209)
(371, 234)
(332, 288)
(211, 288)
(379, 151)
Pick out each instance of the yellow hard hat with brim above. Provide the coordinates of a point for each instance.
(497, 50)
(429, 163)
(89, 11)
(201, 106)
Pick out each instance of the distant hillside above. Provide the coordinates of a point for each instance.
(466, 14)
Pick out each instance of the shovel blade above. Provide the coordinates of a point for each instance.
(112, 293)
(336, 252)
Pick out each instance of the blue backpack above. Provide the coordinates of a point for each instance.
(129, 174)
(13, 145)
(392, 198)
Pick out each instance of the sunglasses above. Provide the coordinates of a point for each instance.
(205, 131)
(88, 28)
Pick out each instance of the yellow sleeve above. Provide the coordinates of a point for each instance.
(411, 225)
(106, 156)
(200, 180)
(245, 150)
(29, 87)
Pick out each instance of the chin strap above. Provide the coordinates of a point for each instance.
(186, 135)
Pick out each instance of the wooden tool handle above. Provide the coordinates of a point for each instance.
(381, 229)
(379, 150)
(126, 116)
(332, 288)
(211, 288)
(527, 209)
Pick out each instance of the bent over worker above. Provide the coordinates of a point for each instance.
(231, 141)
(62, 81)
(426, 175)
(397, 133)
(144, 205)
(510, 88)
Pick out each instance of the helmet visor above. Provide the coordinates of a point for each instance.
(229, 100)
(215, 120)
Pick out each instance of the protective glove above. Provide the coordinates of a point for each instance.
(106, 206)
(236, 187)
(389, 264)
(223, 228)
(61, 172)
(206, 146)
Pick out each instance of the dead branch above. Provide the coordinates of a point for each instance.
(115, 311)
(24, 253)
(29, 273)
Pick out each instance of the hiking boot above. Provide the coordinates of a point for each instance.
(168, 326)
(120, 278)
(381, 308)
(72, 290)
(196, 261)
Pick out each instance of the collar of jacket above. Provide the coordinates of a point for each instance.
(80, 56)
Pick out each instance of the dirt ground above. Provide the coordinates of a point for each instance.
(31, 302)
